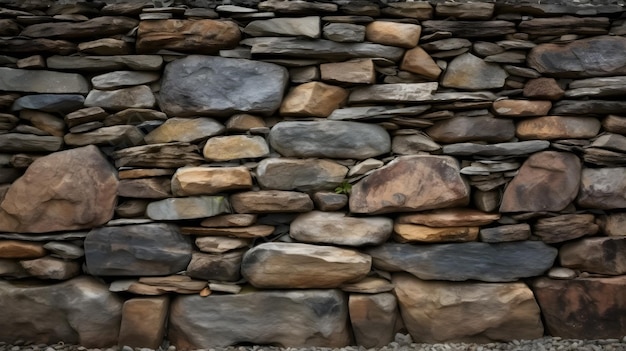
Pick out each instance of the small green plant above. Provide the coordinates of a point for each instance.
(344, 188)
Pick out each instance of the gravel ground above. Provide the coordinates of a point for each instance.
(401, 343)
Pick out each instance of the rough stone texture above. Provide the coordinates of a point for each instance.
(47, 82)
(400, 186)
(436, 312)
(332, 139)
(57, 103)
(38, 202)
(296, 174)
(602, 188)
(116, 136)
(145, 188)
(547, 181)
(558, 127)
(314, 99)
(471, 73)
(408, 233)
(449, 217)
(101, 63)
(464, 261)
(583, 308)
(339, 229)
(504, 233)
(189, 130)
(357, 71)
(394, 93)
(222, 267)
(51, 268)
(543, 88)
(217, 244)
(613, 224)
(203, 36)
(21, 249)
(135, 97)
(187, 208)
(521, 108)
(298, 27)
(244, 86)
(48, 313)
(121, 79)
(481, 128)
(404, 35)
(271, 265)
(271, 201)
(234, 147)
(602, 255)
(373, 318)
(143, 322)
(209, 180)
(137, 250)
(565, 227)
(312, 317)
(419, 62)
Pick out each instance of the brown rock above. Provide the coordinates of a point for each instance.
(436, 312)
(221, 244)
(521, 108)
(603, 188)
(255, 231)
(602, 255)
(106, 47)
(583, 308)
(143, 322)
(404, 35)
(41, 46)
(131, 208)
(209, 180)
(271, 201)
(339, 229)
(409, 233)
(419, 62)
(313, 99)
(472, 73)
(85, 115)
(565, 227)
(329, 201)
(505, 233)
(558, 127)
(613, 224)
(139, 96)
(373, 318)
(242, 122)
(21, 249)
(420, 10)
(474, 11)
(547, 181)
(358, 71)
(234, 147)
(145, 188)
(198, 36)
(134, 116)
(368, 285)
(411, 183)
(481, 128)
(32, 62)
(39, 203)
(97, 27)
(614, 124)
(118, 137)
(543, 88)
(565, 25)
(230, 220)
(221, 267)
(450, 217)
(51, 268)
(47, 122)
(170, 155)
(470, 29)
(271, 265)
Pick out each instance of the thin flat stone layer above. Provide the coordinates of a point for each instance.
(47, 82)
(296, 174)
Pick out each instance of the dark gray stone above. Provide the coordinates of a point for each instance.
(502, 262)
(470, 29)
(60, 103)
(32, 81)
(503, 149)
(207, 85)
(17, 142)
(137, 250)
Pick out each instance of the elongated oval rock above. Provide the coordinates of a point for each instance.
(296, 174)
(339, 229)
(411, 183)
(188, 86)
(311, 317)
(135, 97)
(332, 139)
(502, 262)
(271, 265)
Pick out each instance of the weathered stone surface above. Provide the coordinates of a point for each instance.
(373, 318)
(404, 35)
(44, 121)
(189, 130)
(137, 250)
(209, 180)
(547, 181)
(409, 233)
(202, 36)
(394, 93)
(339, 229)
(143, 322)
(613, 224)
(11, 269)
(145, 188)
(106, 63)
(435, 312)
(474, 11)
(329, 201)
(270, 265)
(324, 49)
(245, 86)
(299, 174)
(64, 250)
(470, 29)
(105, 47)
(53, 307)
(543, 88)
(121, 136)
(24, 46)
(357, 71)
(233, 147)
(419, 62)
(521, 108)
(591, 57)
(332, 139)
(230, 220)
(135, 97)
(85, 115)
(603, 188)
(565, 227)
(344, 32)
(99, 26)
(582, 308)
(51, 268)
(17, 142)
(471, 73)
(221, 244)
(121, 79)
(313, 99)
(39, 203)
(253, 231)
(21, 249)
(501, 262)
(558, 127)
(413, 144)
(504, 233)
(449, 217)
(271, 201)
(215, 266)
(502, 149)
(420, 10)
(187, 208)
(49, 82)
(313, 318)
(602, 255)
(401, 186)
(294, 27)
(614, 124)
(481, 128)
(59, 103)
(168, 155)
(565, 25)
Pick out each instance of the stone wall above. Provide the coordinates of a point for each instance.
(311, 173)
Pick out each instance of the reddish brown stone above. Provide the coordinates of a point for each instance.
(143, 322)
(197, 36)
(602, 255)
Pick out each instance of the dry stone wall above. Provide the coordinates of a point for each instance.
(311, 174)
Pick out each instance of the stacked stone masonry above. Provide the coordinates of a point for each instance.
(311, 174)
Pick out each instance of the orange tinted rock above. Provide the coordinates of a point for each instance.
(197, 36)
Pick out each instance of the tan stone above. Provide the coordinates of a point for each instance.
(143, 322)
(450, 217)
(47, 122)
(404, 35)
(408, 233)
(51, 268)
(145, 188)
(614, 124)
(235, 147)
(144, 173)
(209, 180)
(255, 231)
(230, 220)
(543, 88)
(139, 96)
(221, 244)
(565, 227)
(271, 201)
(188, 130)
(558, 127)
(216, 266)
(131, 208)
(419, 62)
(118, 137)
(373, 319)
(21, 249)
(313, 99)
(32, 62)
(243, 122)
(197, 36)
(359, 71)
(368, 285)
(187, 207)
(602, 255)
(106, 47)
(521, 108)
(613, 224)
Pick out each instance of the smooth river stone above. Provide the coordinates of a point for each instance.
(339, 229)
(299, 174)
